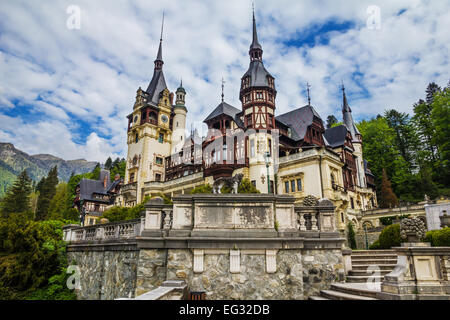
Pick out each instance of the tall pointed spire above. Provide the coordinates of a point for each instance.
(159, 61)
(348, 118)
(255, 48)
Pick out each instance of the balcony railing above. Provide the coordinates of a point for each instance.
(110, 231)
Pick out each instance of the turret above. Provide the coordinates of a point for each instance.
(179, 119)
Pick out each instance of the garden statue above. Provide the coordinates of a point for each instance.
(231, 183)
(445, 219)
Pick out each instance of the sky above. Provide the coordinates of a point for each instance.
(69, 70)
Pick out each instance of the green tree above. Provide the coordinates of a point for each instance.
(406, 139)
(440, 116)
(118, 168)
(17, 198)
(58, 206)
(47, 192)
(331, 120)
(108, 163)
(351, 236)
(388, 198)
(95, 174)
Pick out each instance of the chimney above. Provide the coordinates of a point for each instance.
(171, 98)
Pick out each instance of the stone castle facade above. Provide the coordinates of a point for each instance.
(291, 153)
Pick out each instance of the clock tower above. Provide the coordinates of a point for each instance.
(149, 140)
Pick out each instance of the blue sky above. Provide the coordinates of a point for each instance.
(67, 91)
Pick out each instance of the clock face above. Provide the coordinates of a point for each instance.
(164, 118)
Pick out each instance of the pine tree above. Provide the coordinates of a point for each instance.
(388, 198)
(17, 198)
(47, 192)
(432, 89)
(58, 205)
(108, 164)
(331, 120)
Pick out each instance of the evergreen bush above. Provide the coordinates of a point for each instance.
(438, 238)
(390, 237)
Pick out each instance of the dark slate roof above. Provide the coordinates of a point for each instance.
(255, 44)
(156, 86)
(258, 74)
(88, 187)
(366, 168)
(223, 108)
(336, 136)
(348, 118)
(299, 120)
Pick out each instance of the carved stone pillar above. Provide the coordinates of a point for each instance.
(235, 261)
(302, 221)
(271, 261)
(314, 226)
(198, 261)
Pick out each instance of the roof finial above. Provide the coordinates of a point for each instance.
(223, 88)
(162, 27)
(309, 96)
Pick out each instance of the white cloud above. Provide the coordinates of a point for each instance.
(92, 74)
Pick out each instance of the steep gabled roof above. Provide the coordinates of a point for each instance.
(299, 120)
(336, 136)
(223, 109)
(156, 86)
(258, 74)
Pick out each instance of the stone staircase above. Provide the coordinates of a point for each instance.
(371, 265)
(363, 282)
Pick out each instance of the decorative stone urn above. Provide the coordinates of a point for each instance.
(412, 230)
(445, 220)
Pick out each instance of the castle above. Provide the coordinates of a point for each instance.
(291, 153)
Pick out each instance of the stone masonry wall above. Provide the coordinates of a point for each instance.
(151, 272)
(361, 239)
(320, 269)
(105, 275)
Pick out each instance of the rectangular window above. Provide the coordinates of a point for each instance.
(159, 160)
(293, 186)
(249, 120)
(286, 186)
(161, 138)
(158, 177)
(342, 217)
(271, 188)
(252, 148)
(352, 203)
(254, 183)
(299, 185)
(270, 146)
(132, 178)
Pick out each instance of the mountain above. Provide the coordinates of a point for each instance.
(13, 161)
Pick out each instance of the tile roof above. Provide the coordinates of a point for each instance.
(299, 120)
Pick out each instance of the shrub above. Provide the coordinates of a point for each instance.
(375, 245)
(247, 187)
(207, 188)
(386, 221)
(438, 238)
(351, 236)
(390, 237)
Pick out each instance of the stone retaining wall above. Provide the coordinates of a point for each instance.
(105, 275)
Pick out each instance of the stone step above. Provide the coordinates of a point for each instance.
(358, 289)
(369, 252)
(317, 298)
(367, 262)
(337, 295)
(368, 273)
(361, 279)
(374, 256)
(363, 267)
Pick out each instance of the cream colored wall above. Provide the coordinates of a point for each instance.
(308, 171)
(257, 164)
(179, 132)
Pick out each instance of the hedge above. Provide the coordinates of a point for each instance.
(438, 238)
(390, 237)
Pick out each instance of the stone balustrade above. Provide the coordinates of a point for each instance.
(110, 231)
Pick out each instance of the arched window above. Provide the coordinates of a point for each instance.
(136, 138)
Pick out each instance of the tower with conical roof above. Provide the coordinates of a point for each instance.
(257, 95)
(356, 139)
(179, 119)
(150, 133)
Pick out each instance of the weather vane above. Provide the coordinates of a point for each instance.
(309, 96)
(223, 87)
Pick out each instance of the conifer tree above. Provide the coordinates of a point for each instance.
(47, 192)
(108, 164)
(388, 198)
(17, 198)
(331, 120)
